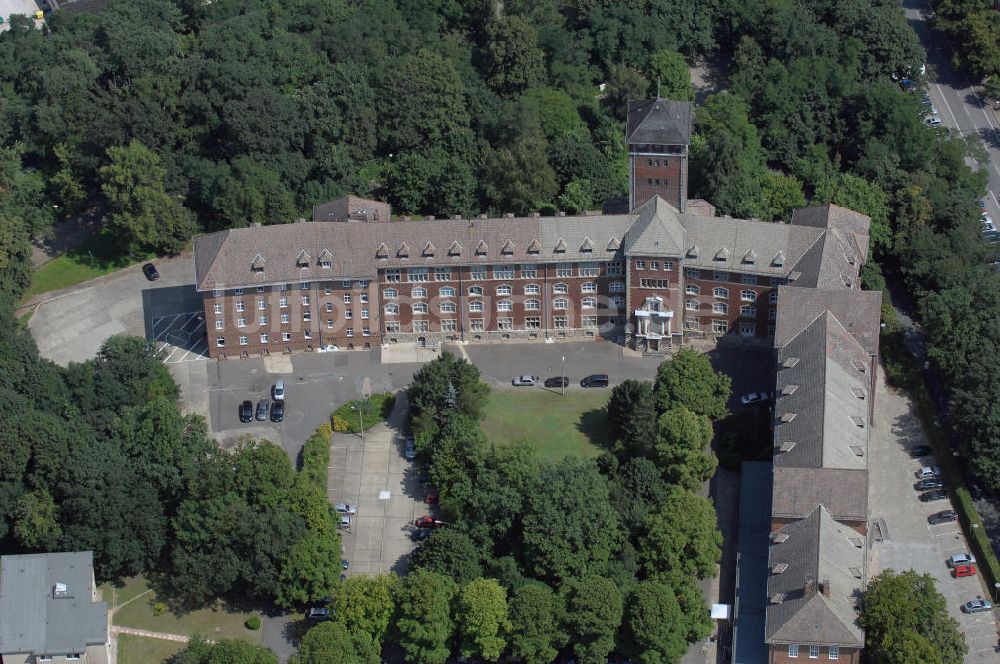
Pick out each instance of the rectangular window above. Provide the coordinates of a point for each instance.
(505, 323)
(691, 273)
(392, 327)
(532, 289)
(793, 651)
(773, 297)
(325, 264)
(477, 273)
(348, 314)
(345, 283)
(833, 652)
(503, 271)
(366, 331)
(305, 300)
(564, 270)
(654, 283)
(305, 285)
(261, 305)
(243, 340)
(263, 338)
(219, 324)
(216, 293)
(260, 289)
(529, 271)
(349, 331)
(448, 308)
(392, 275)
(329, 323)
(449, 325)
(813, 652)
(442, 274)
(282, 302)
(327, 290)
(589, 321)
(720, 276)
(220, 342)
(307, 334)
(284, 318)
(668, 265)
(241, 322)
(475, 305)
(589, 270)
(589, 287)
(306, 316)
(282, 288)
(364, 298)
(217, 308)
(654, 265)
(777, 281)
(691, 323)
(416, 274)
(720, 326)
(286, 336)
(263, 320)
(751, 280)
(640, 265)
(560, 322)
(505, 305)
(239, 291)
(476, 325)
(532, 323)
(329, 307)
(362, 283)
(614, 268)
(240, 306)
(347, 298)
(364, 314)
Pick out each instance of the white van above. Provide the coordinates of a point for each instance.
(279, 390)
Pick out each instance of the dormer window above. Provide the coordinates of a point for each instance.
(535, 246)
(722, 255)
(693, 251)
(613, 244)
(257, 264)
(303, 259)
(587, 245)
(750, 257)
(507, 249)
(428, 250)
(560, 247)
(403, 251)
(481, 248)
(382, 253)
(455, 249)
(779, 259)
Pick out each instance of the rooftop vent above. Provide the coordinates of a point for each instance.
(787, 446)
(860, 366)
(856, 541)
(778, 538)
(790, 362)
(858, 422)
(777, 598)
(858, 392)
(779, 568)
(855, 572)
(61, 591)
(508, 215)
(787, 417)
(858, 452)
(789, 390)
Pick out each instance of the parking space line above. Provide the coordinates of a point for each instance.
(159, 319)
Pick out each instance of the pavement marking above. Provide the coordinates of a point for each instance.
(947, 106)
(185, 345)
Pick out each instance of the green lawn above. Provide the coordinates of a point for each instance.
(217, 622)
(139, 650)
(96, 256)
(571, 425)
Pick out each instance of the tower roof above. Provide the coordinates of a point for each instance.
(659, 121)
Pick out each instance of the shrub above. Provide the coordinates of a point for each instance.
(252, 623)
(340, 425)
(348, 418)
(316, 457)
(159, 608)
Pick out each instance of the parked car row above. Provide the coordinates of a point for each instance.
(276, 408)
(594, 380)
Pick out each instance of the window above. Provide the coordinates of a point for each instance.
(415, 274)
(532, 305)
(347, 298)
(532, 323)
(283, 302)
(476, 325)
(345, 283)
(668, 266)
(243, 340)
(263, 320)
(722, 293)
(329, 307)
(305, 300)
(305, 285)
(475, 305)
(617, 287)
(448, 307)
(772, 314)
(349, 331)
(364, 298)
(777, 281)
(747, 329)
(529, 271)
(505, 289)
(220, 342)
(640, 265)
(392, 275)
(449, 325)
(505, 305)
(216, 293)
(690, 273)
(588, 287)
(751, 280)
(263, 338)
(560, 303)
(282, 287)
(419, 293)
(560, 289)
(284, 318)
(833, 652)
(588, 303)
(73, 656)
(327, 289)
(240, 306)
(654, 265)
(748, 311)
(348, 314)
(367, 331)
(532, 289)
(364, 314)
(217, 308)
(238, 291)
(219, 324)
(692, 305)
(793, 651)
(613, 268)
(306, 316)
(390, 293)
(561, 322)
(720, 276)
(654, 283)
(589, 321)
(813, 652)
(442, 274)
(448, 291)
(720, 326)
(419, 307)
(720, 308)
(692, 289)
(329, 323)
(475, 290)
(505, 323)
(325, 264)
(392, 327)
(362, 283)
(691, 323)
(748, 295)
(589, 270)
(241, 322)
(286, 336)
(503, 271)
(477, 273)
(260, 289)
(564, 270)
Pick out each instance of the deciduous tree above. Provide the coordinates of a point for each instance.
(424, 619)
(483, 620)
(537, 617)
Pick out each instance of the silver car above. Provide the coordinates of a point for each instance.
(524, 381)
(345, 522)
(961, 559)
(927, 472)
(346, 508)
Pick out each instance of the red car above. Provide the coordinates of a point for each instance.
(428, 522)
(431, 499)
(964, 570)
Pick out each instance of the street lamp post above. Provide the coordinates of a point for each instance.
(361, 418)
(562, 382)
(996, 594)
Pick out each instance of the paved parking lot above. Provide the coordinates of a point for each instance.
(372, 474)
(8, 7)
(911, 542)
(182, 336)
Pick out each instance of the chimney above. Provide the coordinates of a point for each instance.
(508, 215)
(562, 213)
(430, 217)
(404, 218)
(482, 215)
(536, 215)
(457, 216)
(300, 220)
(810, 587)
(825, 587)
(255, 224)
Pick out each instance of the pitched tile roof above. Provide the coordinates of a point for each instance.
(729, 244)
(660, 122)
(798, 491)
(352, 208)
(858, 311)
(657, 231)
(817, 552)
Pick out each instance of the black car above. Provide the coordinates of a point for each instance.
(420, 534)
(278, 411)
(246, 411)
(150, 271)
(597, 380)
(946, 516)
(921, 451)
(927, 485)
(558, 381)
(262, 410)
(930, 496)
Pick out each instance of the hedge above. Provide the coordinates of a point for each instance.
(373, 410)
(316, 457)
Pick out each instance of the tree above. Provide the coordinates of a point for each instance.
(333, 643)
(423, 619)
(654, 624)
(631, 413)
(637, 488)
(868, 198)
(671, 76)
(516, 62)
(428, 393)
(576, 197)
(537, 615)
(483, 622)
(452, 553)
(593, 614)
(682, 540)
(903, 612)
(519, 178)
(223, 651)
(682, 447)
(35, 521)
(688, 379)
(569, 528)
(623, 84)
(366, 604)
(781, 194)
(143, 215)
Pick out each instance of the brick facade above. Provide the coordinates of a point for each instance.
(658, 171)
(779, 654)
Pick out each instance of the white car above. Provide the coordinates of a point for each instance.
(961, 559)
(988, 224)
(927, 472)
(933, 121)
(346, 508)
(754, 397)
(524, 381)
(279, 390)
